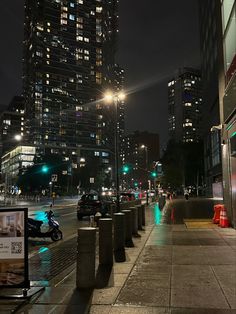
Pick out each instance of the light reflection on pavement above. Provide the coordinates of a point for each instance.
(157, 214)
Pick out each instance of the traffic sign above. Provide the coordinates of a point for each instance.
(54, 178)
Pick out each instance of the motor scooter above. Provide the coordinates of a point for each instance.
(34, 228)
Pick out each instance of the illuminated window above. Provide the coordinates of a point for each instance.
(71, 17)
(39, 53)
(63, 22)
(98, 9)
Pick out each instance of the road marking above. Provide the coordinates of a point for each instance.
(67, 214)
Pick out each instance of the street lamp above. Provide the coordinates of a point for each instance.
(115, 98)
(146, 154)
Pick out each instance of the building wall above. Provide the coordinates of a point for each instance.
(12, 124)
(211, 56)
(228, 107)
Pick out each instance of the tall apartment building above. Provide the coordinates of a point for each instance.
(211, 56)
(69, 51)
(141, 151)
(12, 124)
(185, 105)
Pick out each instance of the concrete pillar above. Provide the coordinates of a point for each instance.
(112, 210)
(119, 231)
(128, 228)
(134, 211)
(140, 217)
(105, 241)
(143, 215)
(85, 268)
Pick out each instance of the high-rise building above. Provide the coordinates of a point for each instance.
(185, 105)
(141, 151)
(12, 124)
(69, 56)
(211, 56)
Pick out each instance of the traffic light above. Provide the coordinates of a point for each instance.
(153, 174)
(125, 169)
(44, 169)
(135, 184)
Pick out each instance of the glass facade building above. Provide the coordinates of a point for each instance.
(69, 56)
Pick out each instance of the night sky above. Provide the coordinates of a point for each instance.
(156, 37)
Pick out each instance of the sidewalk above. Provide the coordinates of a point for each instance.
(171, 269)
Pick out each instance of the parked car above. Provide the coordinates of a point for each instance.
(127, 196)
(90, 204)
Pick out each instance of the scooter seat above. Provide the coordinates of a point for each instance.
(37, 223)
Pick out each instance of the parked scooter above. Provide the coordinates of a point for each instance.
(34, 228)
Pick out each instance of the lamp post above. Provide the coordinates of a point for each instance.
(146, 154)
(115, 98)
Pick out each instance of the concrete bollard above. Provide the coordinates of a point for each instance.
(85, 268)
(91, 221)
(112, 210)
(134, 211)
(119, 237)
(119, 231)
(140, 217)
(128, 228)
(105, 241)
(143, 215)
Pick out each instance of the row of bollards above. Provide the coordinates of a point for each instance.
(114, 235)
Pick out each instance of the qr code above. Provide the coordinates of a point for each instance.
(16, 247)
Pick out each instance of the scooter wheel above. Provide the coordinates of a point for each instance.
(56, 235)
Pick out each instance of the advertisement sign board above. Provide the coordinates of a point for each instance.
(13, 248)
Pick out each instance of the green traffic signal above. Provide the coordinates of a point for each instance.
(125, 169)
(44, 169)
(135, 184)
(154, 174)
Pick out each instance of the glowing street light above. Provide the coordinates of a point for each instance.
(18, 137)
(146, 154)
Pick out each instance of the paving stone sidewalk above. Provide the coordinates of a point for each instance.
(171, 269)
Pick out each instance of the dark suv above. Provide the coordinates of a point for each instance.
(90, 204)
